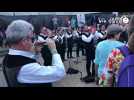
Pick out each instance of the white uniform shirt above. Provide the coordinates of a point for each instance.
(69, 35)
(76, 34)
(87, 39)
(35, 73)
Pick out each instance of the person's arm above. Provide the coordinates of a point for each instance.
(96, 73)
(97, 62)
(97, 59)
(112, 66)
(87, 39)
(107, 76)
(96, 69)
(62, 36)
(77, 34)
(55, 37)
(35, 73)
(97, 55)
(99, 35)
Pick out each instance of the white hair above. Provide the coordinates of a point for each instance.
(18, 30)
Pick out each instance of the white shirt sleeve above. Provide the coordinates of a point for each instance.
(77, 34)
(62, 36)
(55, 37)
(35, 73)
(67, 35)
(87, 39)
(98, 35)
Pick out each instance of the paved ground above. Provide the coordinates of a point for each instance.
(74, 80)
(2, 79)
(69, 80)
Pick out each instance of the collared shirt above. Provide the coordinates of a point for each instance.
(113, 64)
(103, 49)
(69, 35)
(87, 39)
(35, 73)
(114, 60)
(77, 34)
(22, 53)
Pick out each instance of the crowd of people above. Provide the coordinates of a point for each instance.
(106, 49)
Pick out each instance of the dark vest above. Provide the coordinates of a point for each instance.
(85, 43)
(79, 33)
(44, 37)
(70, 34)
(46, 53)
(70, 39)
(89, 47)
(11, 67)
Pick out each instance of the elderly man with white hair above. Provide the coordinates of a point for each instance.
(20, 63)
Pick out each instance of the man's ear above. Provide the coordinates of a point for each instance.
(23, 42)
(118, 36)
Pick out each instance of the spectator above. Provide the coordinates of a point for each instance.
(106, 46)
(124, 35)
(109, 76)
(21, 59)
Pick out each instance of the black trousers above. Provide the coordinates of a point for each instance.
(93, 64)
(82, 48)
(61, 51)
(69, 51)
(89, 60)
(78, 47)
(1, 42)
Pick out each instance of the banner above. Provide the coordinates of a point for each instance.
(73, 22)
(81, 19)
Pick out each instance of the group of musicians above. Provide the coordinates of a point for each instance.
(85, 39)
